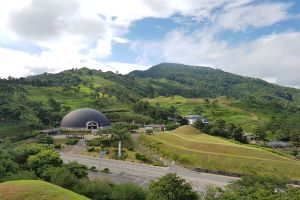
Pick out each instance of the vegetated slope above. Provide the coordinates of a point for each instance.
(34, 189)
(116, 94)
(218, 108)
(193, 81)
(197, 150)
(168, 79)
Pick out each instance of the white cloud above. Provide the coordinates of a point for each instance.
(274, 57)
(80, 33)
(260, 15)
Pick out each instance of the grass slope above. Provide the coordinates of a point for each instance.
(223, 108)
(34, 189)
(194, 149)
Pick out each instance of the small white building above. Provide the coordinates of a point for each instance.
(193, 118)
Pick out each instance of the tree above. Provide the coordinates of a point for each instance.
(44, 159)
(128, 191)
(120, 134)
(149, 131)
(238, 134)
(60, 176)
(199, 124)
(253, 188)
(54, 105)
(260, 132)
(171, 187)
(78, 170)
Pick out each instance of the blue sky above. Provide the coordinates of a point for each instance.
(247, 37)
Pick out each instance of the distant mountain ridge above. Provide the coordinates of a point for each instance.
(205, 81)
(169, 79)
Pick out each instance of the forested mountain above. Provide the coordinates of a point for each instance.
(194, 81)
(167, 79)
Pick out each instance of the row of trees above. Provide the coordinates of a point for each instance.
(158, 113)
(222, 129)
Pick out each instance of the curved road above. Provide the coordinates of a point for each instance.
(142, 174)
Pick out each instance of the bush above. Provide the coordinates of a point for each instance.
(130, 148)
(60, 176)
(171, 126)
(128, 191)
(93, 168)
(78, 170)
(27, 150)
(96, 190)
(21, 175)
(57, 146)
(91, 149)
(105, 170)
(71, 141)
(94, 142)
(44, 159)
(142, 157)
(115, 155)
(44, 139)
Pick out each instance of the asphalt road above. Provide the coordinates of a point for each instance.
(122, 171)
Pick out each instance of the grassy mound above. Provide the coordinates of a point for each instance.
(193, 149)
(34, 189)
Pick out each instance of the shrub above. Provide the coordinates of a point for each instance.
(115, 155)
(93, 168)
(128, 191)
(171, 126)
(60, 176)
(94, 142)
(21, 175)
(44, 159)
(44, 139)
(71, 141)
(130, 148)
(79, 170)
(57, 146)
(97, 190)
(105, 170)
(91, 149)
(149, 131)
(142, 157)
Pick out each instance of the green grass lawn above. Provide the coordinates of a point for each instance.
(223, 109)
(35, 190)
(194, 149)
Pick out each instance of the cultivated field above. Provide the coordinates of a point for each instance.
(34, 189)
(195, 149)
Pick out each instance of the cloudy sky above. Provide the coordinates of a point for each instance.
(257, 38)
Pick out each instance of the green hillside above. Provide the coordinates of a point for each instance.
(197, 150)
(250, 103)
(218, 108)
(194, 81)
(36, 190)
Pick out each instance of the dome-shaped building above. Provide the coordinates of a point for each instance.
(84, 118)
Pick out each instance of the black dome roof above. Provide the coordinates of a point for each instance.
(79, 118)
